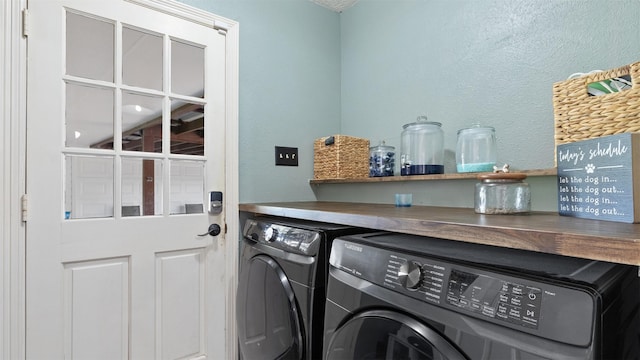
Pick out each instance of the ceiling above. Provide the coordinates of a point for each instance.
(336, 5)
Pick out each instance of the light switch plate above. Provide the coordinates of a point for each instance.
(286, 156)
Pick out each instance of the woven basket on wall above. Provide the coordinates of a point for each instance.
(580, 116)
(340, 157)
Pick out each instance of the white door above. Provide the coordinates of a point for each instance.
(127, 117)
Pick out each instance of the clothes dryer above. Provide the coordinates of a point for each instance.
(282, 287)
(393, 296)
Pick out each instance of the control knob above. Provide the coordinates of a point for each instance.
(270, 234)
(411, 275)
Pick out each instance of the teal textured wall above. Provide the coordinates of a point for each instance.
(289, 90)
(307, 72)
(488, 61)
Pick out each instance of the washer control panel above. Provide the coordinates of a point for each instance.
(545, 307)
(482, 294)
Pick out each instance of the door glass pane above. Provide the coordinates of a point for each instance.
(141, 59)
(88, 187)
(187, 187)
(187, 128)
(141, 187)
(89, 116)
(90, 48)
(187, 69)
(141, 123)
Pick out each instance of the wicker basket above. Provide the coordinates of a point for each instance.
(340, 157)
(580, 116)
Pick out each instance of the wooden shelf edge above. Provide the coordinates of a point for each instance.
(456, 176)
(546, 232)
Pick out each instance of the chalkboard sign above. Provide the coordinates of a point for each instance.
(596, 178)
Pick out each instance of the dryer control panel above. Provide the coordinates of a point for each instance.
(290, 239)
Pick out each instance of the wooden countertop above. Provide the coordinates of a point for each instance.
(539, 231)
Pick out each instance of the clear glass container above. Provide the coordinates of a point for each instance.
(502, 193)
(382, 160)
(422, 148)
(476, 149)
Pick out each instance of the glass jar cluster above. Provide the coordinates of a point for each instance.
(422, 150)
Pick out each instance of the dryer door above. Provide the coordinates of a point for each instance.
(268, 318)
(382, 334)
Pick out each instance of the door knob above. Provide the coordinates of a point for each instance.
(214, 230)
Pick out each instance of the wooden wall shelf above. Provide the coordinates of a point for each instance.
(456, 176)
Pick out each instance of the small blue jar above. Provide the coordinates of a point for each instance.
(381, 160)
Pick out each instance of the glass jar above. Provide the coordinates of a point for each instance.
(502, 193)
(476, 149)
(422, 148)
(381, 160)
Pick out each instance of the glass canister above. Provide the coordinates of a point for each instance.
(476, 149)
(502, 193)
(422, 149)
(381, 160)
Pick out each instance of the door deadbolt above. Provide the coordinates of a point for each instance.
(215, 202)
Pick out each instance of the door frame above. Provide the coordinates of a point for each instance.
(13, 60)
(12, 159)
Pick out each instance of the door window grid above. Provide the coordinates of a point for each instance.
(129, 125)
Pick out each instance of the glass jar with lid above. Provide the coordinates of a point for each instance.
(422, 149)
(381, 160)
(476, 149)
(502, 193)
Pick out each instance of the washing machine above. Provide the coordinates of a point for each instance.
(282, 287)
(393, 296)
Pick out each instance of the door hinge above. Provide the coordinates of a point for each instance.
(24, 205)
(26, 23)
(221, 27)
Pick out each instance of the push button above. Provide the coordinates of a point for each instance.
(531, 313)
(517, 290)
(534, 294)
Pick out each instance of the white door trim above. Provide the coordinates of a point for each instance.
(232, 181)
(13, 135)
(12, 185)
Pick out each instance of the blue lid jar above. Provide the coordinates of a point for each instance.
(422, 149)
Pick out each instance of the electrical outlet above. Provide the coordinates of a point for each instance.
(286, 156)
